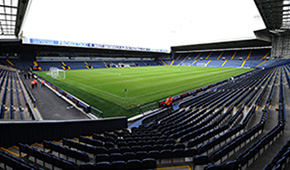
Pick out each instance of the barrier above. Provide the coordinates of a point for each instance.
(12, 133)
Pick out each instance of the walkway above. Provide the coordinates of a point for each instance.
(51, 106)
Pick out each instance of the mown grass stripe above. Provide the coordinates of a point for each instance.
(105, 88)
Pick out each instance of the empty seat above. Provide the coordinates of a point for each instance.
(230, 165)
(124, 149)
(114, 150)
(165, 154)
(102, 158)
(147, 148)
(200, 159)
(157, 147)
(109, 144)
(136, 148)
(189, 152)
(141, 154)
(103, 165)
(134, 164)
(213, 167)
(118, 165)
(116, 157)
(179, 146)
(129, 155)
(153, 154)
(148, 163)
(178, 153)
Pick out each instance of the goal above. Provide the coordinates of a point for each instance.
(56, 73)
(121, 65)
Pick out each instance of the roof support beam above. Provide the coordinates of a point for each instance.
(275, 13)
(8, 25)
(9, 29)
(6, 6)
(7, 20)
(8, 14)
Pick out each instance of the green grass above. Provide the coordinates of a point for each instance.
(105, 88)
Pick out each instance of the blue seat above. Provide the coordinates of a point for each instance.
(200, 159)
(99, 137)
(153, 154)
(102, 158)
(132, 143)
(134, 164)
(100, 150)
(141, 142)
(114, 150)
(158, 147)
(165, 154)
(230, 165)
(103, 165)
(122, 143)
(109, 139)
(278, 167)
(147, 148)
(189, 152)
(129, 155)
(179, 146)
(109, 144)
(287, 154)
(282, 161)
(118, 165)
(149, 163)
(87, 140)
(178, 153)
(136, 148)
(124, 149)
(116, 157)
(168, 146)
(213, 167)
(141, 155)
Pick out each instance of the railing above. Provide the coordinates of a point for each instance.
(149, 106)
(29, 94)
(12, 133)
(86, 107)
(96, 112)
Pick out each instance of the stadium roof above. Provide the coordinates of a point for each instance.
(12, 14)
(67, 51)
(275, 13)
(250, 43)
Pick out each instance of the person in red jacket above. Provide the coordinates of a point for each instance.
(169, 101)
(35, 82)
(32, 84)
(42, 83)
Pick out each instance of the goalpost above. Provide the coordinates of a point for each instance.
(121, 65)
(56, 73)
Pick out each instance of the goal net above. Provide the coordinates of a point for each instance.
(121, 65)
(56, 73)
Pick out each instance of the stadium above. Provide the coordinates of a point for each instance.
(218, 105)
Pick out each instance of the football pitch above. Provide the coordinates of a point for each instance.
(120, 91)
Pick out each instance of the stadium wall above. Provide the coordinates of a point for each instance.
(281, 45)
(12, 133)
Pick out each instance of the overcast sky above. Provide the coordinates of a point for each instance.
(142, 23)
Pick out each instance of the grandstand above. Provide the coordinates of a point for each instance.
(239, 122)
